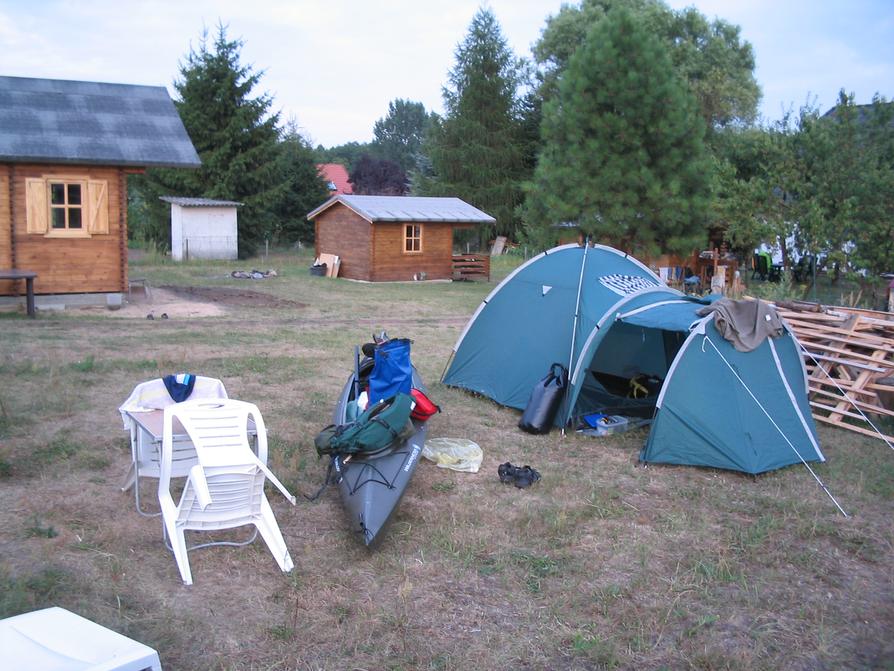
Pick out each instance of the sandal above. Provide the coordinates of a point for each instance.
(507, 473)
(525, 476)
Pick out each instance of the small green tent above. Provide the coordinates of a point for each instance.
(609, 319)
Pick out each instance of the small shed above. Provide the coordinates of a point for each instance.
(66, 149)
(393, 238)
(202, 228)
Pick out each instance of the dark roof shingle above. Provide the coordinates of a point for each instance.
(58, 121)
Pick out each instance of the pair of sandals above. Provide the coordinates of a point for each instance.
(520, 476)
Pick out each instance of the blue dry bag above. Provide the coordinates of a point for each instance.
(393, 372)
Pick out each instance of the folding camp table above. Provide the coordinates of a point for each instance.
(146, 441)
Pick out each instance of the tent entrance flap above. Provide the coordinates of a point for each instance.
(627, 370)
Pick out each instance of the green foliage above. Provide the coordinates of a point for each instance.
(21, 594)
(847, 165)
(302, 190)
(347, 154)
(623, 153)
(824, 181)
(234, 134)
(398, 136)
(478, 149)
(708, 55)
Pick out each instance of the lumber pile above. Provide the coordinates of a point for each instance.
(847, 351)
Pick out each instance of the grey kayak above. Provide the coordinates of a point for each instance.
(371, 488)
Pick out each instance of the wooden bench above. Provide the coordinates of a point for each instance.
(470, 266)
(28, 276)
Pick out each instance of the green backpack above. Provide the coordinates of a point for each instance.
(379, 427)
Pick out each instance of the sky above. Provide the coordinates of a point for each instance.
(332, 66)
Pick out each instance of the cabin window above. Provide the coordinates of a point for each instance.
(66, 206)
(412, 238)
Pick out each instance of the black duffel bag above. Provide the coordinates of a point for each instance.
(545, 400)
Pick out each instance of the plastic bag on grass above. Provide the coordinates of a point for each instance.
(457, 454)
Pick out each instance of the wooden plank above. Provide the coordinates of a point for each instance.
(866, 339)
(878, 410)
(862, 380)
(850, 353)
(857, 429)
(850, 363)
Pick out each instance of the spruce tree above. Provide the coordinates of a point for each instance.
(234, 134)
(623, 153)
(302, 189)
(477, 150)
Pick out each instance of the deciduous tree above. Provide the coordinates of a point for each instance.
(398, 135)
(377, 177)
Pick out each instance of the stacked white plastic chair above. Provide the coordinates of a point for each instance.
(145, 456)
(225, 488)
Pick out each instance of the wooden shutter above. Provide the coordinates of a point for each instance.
(36, 214)
(98, 202)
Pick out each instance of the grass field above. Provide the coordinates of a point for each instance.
(603, 564)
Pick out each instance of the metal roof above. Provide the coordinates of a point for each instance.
(408, 208)
(57, 121)
(198, 202)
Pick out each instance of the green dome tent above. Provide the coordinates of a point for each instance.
(609, 319)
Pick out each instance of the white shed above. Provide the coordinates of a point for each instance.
(202, 228)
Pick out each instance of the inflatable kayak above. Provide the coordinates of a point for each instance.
(371, 487)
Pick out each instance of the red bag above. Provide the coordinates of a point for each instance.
(424, 406)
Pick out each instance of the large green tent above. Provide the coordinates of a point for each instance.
(610, 320)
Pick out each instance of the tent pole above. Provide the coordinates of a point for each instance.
(447, 365)
(773, 422)
(580, 284)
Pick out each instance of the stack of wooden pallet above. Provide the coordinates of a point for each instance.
(850, 352)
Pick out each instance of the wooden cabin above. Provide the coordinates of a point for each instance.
(66, 149)
(395, 238)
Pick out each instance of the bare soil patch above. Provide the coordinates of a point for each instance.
(193, 301)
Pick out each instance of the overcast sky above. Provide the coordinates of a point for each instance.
(333, 65)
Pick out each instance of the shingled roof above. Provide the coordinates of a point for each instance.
(409, 208)
(57, 121)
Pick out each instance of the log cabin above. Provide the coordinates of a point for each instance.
(397, 238)
(66, 149)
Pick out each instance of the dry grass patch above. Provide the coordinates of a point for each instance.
(603, 564)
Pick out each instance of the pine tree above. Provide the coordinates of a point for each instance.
(477, 150)
(234, 134)
(623, 152)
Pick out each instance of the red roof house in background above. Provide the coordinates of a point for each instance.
(336, 176)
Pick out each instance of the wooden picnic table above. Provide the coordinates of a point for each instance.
(28, 276)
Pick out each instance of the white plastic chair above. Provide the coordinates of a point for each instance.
(57, 639)
(225, 489)
(146, 397)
